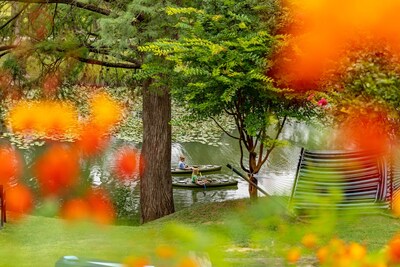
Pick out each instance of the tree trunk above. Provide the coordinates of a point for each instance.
(252, 189)
(156, 197)
(252, 164)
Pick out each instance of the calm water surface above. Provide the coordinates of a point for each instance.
(276, 177)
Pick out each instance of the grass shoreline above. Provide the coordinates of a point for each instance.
(234, 224)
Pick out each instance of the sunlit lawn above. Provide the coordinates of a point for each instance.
(41, 241)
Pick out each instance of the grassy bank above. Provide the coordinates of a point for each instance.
(233, 233)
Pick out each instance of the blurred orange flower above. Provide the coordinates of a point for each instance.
(338, 253)
(356, 251)
(126, 163)
(48, 118)
(365, 129)
(309, 240)
(396, 205)
(323, 29)
(165, 251)
(323, 254)
(11, 165)
(91, 140)
(393, 250)
(101, 208)
(61, 119)
(57, 170)
(136, 262)
(22, 117)
(105, 111)
(75, 209)
(293, 255)
(188, 262)
(19, 200)
(95, 206)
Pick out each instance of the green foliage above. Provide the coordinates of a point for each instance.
(216, 57)
(175, 11)
(231, 233)
(367, 79)
(218, 64)
(125, 205)
(14, 67)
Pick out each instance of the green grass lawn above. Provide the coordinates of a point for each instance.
(233, 233)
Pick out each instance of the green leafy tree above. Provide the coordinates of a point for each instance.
(64, 36)
(365, 84)
(219, 64)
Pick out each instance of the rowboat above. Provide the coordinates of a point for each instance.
(204, 181)
(202, 168)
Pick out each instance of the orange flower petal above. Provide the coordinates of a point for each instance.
(19, 200)
(126, 164)
(165, 251)
(393, 250)
(309, 241)
(293, 255)
(101, 208)
(136, 262)
(105, 111)
(75, 209)
(57, 170)
(92, 140)
(11, 165)
(188, 262)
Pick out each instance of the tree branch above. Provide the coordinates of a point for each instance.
(239, 120)
(133, 64)
(7, 47)
(276, 137)
(53, 21)
(105, 51)
(228, 112)
(260, 136)
(219, 125)
(14, 17)
(89, 7)
(4, 53)
(108, 64)
(101, 50)
(241, 141)
(241, 157)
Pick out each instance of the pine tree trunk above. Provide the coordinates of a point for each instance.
(156, 197)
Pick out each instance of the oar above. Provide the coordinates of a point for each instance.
(247, 179)
(289, 213)
(201, 176)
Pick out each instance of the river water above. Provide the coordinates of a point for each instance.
(276, 177)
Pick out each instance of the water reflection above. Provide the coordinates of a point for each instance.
(277, 175)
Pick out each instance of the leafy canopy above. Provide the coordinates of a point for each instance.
(218, 64)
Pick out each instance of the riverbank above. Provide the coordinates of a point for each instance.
(232, 233)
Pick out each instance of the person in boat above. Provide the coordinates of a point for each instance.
(197, 178)
(182, 165)
(195, 174)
